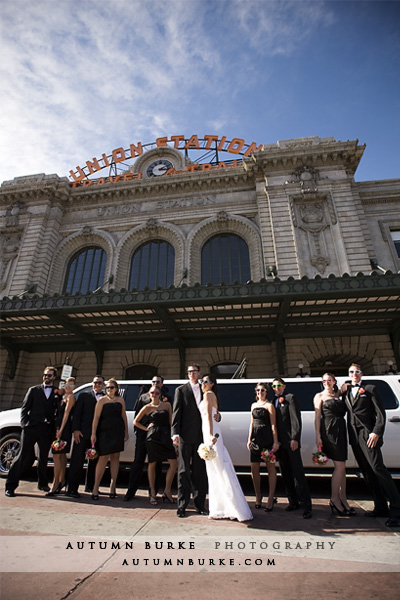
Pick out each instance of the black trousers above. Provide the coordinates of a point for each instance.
(137, 466)
(294, 479)
(192, 476)
(41, 434)
(77, 461)
(377, 477)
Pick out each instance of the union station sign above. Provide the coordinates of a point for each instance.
(209, 144)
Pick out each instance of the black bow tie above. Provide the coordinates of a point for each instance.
(48, 387)
(356, 385)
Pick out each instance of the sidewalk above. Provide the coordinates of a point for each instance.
(362, 561)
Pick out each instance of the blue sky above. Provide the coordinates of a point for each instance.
(81, 78)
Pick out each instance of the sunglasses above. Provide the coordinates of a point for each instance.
(277, 385)
(155, 393)
(48, 375)
(110, 387)
(194, 371)
(205, 381)
(157, 381)
(97, 382)
(260, 390)
(355, 372)
(327, 380)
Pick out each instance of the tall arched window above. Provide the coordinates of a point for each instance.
(85, 272)
(225, 258)
(152, 266)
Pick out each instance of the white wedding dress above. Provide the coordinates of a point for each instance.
(225, 497)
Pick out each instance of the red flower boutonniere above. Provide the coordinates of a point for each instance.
(164, 399)
(361, 390)
(56, 391)
(281, 399)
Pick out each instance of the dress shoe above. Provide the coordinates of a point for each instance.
(43, 488)
(88, 490)
(202, 511)
(10, 493)
(73, 494)
(373, 514)
(307, 514)
(181, 512)
(128, 497)
(292, 507)
(393, 522)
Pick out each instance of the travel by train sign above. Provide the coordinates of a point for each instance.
(212, 146)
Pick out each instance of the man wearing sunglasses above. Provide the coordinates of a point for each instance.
(366, 425)
(82, 430)
(288, 423)
(38, 427)
(137, 466)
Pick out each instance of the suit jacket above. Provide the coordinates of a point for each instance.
(37, 408)
(288, 420)
(84, 413)
(365, 411)
(186, 418)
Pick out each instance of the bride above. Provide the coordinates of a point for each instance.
(225, 496)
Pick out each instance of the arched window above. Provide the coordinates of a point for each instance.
(152, 266)
(85, 272)
(145, 372)
(225, 258)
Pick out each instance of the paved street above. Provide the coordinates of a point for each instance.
(363, 561)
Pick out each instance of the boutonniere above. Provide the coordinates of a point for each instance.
(361, 390)
(164, 399)
(281, 399)
(56, 391)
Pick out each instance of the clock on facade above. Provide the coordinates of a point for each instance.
(158, 167)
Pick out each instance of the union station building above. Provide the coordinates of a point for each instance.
(273, 261)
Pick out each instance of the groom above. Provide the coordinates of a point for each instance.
(187, 436)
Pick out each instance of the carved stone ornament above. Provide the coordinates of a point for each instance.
(10, 245)
(222, 216)
(307, 177)
(87, 230)
(151, 224)
(320, 263)
(14, 212)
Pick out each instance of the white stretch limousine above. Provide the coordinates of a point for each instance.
(236, 397)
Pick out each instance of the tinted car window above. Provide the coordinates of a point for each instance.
(236, 397)
(385, 392)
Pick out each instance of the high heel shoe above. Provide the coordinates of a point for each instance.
(350, 511)
(258, 504)
(334, 508)
(113, 495)
(153, 500)
(95, 496)
(169, 499)
(57, 490)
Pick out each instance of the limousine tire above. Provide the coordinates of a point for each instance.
(9, 448)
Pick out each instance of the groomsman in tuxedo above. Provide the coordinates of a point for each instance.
(366, 425)
(82, 430)
(38, 427)
(288, 423)
(140, 445)
(187, 436)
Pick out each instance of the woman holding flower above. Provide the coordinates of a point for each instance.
(263, 443)
(109, 433)
(62, 444)
(331, 437)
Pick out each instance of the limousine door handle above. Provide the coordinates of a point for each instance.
(394, 419)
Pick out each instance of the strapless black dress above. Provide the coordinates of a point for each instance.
(261, 434)
(333, 429)
(110, 430)
(66, 435)
(158, 439)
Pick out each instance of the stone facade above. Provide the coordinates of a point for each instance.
(295, 203)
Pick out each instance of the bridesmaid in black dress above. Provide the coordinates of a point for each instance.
(158, 441)
(262, 435)
(109, 433)
(330, 428)
(64, 432)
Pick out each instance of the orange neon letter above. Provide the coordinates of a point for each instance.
(193, 142)
(206, 167)
(118, 155)
(176, 139)
(93, 165)
(161, 142)
(136, 149)
(210, 139)
(238, 142)
(222, 142)
(81, 174)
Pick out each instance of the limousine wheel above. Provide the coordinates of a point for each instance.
(9, 448)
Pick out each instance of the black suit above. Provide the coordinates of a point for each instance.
(186, 422)
(38, 427)
(288, 424)
(366, 415)
(82, 421)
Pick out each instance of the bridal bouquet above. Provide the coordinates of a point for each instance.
(207, 451)
(58, 445)
(319, 457)
(268, 456)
